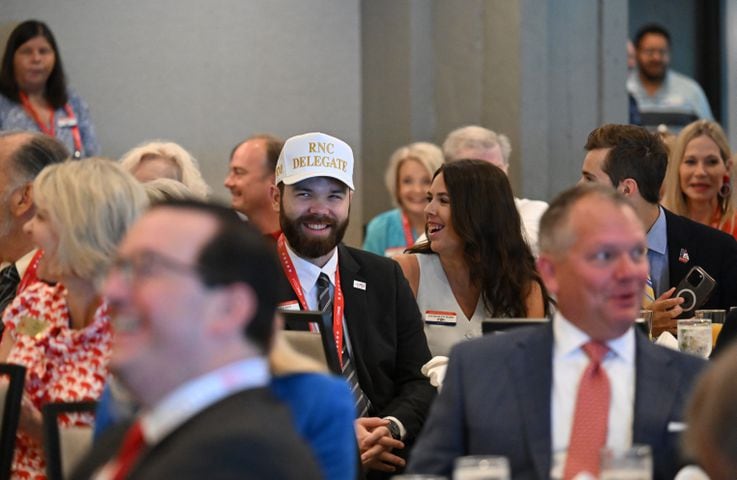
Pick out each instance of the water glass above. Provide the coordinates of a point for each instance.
(645, 322)
(635, 463)
(481, 467)
(717, 317)
(694, 336)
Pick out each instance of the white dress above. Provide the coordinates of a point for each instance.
(445, 322)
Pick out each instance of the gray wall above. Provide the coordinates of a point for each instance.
(377, 73)
(206, 74)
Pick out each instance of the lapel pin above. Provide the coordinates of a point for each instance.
(683, 257)
(359, 285)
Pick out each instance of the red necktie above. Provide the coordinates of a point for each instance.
(591, 417)
(133, 444)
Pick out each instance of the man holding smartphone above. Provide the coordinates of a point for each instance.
(634, 162)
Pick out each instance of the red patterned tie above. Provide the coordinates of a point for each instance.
(588, 434)
(133, 443)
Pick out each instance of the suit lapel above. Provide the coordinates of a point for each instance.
(655, 383)
(534, 373)
(677, 241)
(356, 313)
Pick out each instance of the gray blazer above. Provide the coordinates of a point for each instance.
(496, 400)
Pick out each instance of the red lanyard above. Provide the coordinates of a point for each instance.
(50, 130)
(409, 239)
(30, 277)
(338, 300)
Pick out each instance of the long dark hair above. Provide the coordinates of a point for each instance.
(486, 219)
(56, 85)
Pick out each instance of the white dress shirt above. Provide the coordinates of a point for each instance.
(569, 363)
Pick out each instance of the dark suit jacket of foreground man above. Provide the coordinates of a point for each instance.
(248, 435)
(387, 337)
(496, 399)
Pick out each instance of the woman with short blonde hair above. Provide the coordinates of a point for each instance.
(161, 159)
(408, 176)
(61, 332)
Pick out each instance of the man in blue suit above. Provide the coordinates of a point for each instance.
(516, 394)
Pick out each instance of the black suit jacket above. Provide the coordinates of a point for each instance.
(387, 337)
(248, 435)
(496, 401)
(707, 247)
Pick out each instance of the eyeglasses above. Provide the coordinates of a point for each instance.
(148, 264)
(651, 52)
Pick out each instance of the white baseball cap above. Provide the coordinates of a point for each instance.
(314, 155)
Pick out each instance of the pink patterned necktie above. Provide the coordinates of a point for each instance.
(591, 417)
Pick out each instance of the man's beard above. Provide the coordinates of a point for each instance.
(309, 247)
(654, 76)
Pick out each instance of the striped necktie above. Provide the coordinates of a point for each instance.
(648, 295)
(9, 280)
(348, 371)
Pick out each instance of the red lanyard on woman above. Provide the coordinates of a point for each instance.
(30, 277)
(409, 239)
(50, 129)
(338, 300)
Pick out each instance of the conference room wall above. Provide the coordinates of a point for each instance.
(206, 74)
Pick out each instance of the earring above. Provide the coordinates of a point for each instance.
(726, 188)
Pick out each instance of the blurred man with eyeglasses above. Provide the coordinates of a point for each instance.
(663, 95)
(193, 295)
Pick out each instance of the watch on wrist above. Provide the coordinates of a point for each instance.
(394, 430)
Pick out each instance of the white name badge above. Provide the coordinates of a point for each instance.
(436, 317)
(66, 122)
(288, 306)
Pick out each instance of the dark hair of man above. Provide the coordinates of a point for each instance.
(237, 253)
(273, 149)
(486, 219)
(635, 153)
(34, 155)
(56, 85)
(651, 28)
(553, 236)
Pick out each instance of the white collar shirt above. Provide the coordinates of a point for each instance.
(569, 363)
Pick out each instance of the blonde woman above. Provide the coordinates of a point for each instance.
(160, 159)
(698, 182)
(61, 333)
(407, 178)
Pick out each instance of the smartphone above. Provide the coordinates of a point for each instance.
(695, 289)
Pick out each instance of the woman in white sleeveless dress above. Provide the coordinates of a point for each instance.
(476, 263)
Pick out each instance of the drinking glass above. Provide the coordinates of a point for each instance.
(634, 463)
(717, 317)
(645, 321)
(481, 467)
(694, 336)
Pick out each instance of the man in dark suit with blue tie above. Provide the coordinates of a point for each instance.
(550, 397)
(634, 161)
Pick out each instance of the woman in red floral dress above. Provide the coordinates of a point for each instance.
(61, 333)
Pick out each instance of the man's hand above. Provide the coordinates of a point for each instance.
(375, 443)
(665, 310)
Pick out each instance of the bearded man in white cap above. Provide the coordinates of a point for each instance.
(379, 340)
